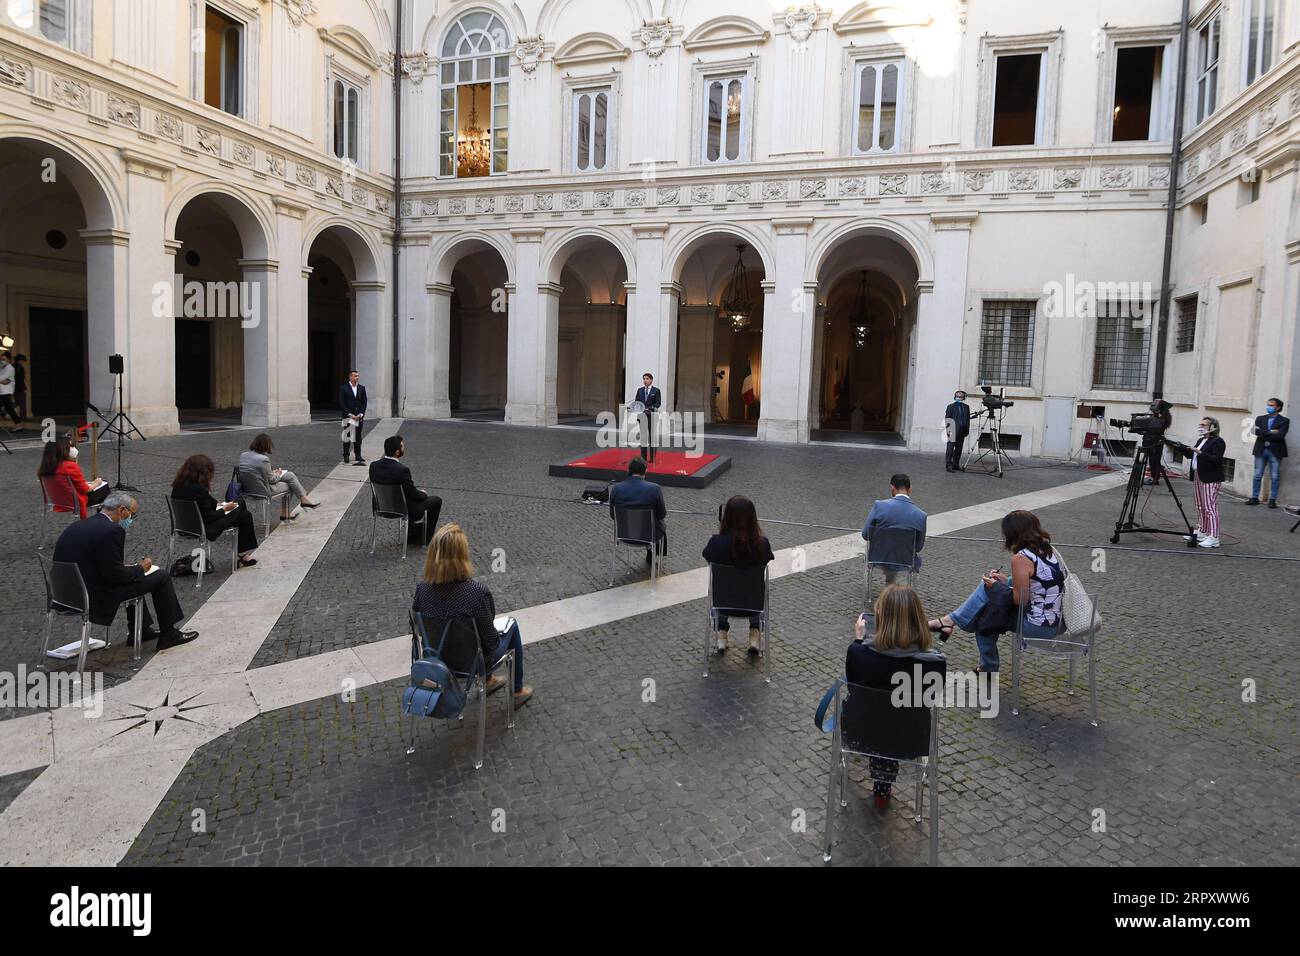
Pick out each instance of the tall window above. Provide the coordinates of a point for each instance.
(1138, 112)
(724, 112)
(591, 129)
(1017, 99)
(879, 92)
(1258, 56)
(223, 61)
(1120, 355)
(1207, 69)
(1007, 343)
(49, 18)
(1185, 339)
(345, 119)
(473, 129)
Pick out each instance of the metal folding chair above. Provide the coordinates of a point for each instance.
(637, 528)
(256, 489)
(59, 494)
(389, 501)
(187, 526)
(66, 596)
(895, 545)
(739, 592)
(1070, 645)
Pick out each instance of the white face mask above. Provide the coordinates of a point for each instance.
(72, 452)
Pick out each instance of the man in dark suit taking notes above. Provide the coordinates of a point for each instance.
(635, 492)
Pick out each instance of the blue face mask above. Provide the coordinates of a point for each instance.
(1271, 410)
(126, 522)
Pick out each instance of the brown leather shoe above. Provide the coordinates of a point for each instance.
(495, 683)
(523, 696)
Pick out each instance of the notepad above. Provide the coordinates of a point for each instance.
(69, 651)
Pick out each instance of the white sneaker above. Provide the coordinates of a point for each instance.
(1208, 542)
(1200, 535)
(720, 644)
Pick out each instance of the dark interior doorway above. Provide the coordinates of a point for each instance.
(193, 364)
(324, 376)
(57, 377)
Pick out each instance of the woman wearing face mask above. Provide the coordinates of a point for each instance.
(59, 469)
(1207, 475)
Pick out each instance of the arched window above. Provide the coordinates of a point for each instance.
(473, 129)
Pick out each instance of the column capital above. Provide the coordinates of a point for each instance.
(791, 227)
(671, 288)
(768, 286)
(439, 288)
(289, 208)
(812, 287)
(924, 286)
(953, 221)
(307, 271)
(258, 265)
(374, 286)
(629, 287)
(172, 246)
(142, 164)
(550, 288)
(649, 230)
(105, 237)
(528, 234)
(416, 238)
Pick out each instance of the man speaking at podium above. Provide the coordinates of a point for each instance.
(651, 399)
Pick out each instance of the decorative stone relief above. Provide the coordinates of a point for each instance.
(701, 193)
(485, 204)
(428, 207)
(654, 35)
(800, 22)
(360, 197)
(1023, 179)
(853, 186)
(812, 189)
(603, 199)
(168, 126)
(299, 10)
(1158, 175)
(528, 51)
(668, 195)
(408, 207)
(383, 205)
(71, 92)
(1068, 177)
(737, 192)
(977, 179)
(934, 182)
(417, 66)
(635, 197)
(514, 204)
(1268, 116)
(1116, 177)
(776, 189)
(1237, 138)
(275, 165)
(572, 200)
(1212, 151)
(210, 141)
(306, 175)
(242, 153)
(122, 110)
(1295, 100)
(13, 72)
(1192, 166)
(334, 187)
(893, 184)
(544, 201)
(455, 206)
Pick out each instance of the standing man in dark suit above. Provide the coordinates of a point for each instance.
(97, 546)
(635, 492)
(352, 399)
(957, 424)
(1270, 449)
(389, 470)
(649, 396)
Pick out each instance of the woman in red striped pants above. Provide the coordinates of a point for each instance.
(1207, 475)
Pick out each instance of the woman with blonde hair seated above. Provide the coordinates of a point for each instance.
(449, 590)
(902, 642)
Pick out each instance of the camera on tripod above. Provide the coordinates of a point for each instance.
(994, 402)
(1148, 426)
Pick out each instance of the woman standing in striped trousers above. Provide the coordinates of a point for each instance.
(1207, 475)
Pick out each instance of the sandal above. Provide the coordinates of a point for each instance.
(943, 630)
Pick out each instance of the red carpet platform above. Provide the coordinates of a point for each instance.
(671, 468)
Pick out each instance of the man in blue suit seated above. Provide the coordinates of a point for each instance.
(635, 492)
(896, 514)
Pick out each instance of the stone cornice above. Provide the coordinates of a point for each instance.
(289, 207)
(439, 288)
(368, 286)
(105, 237)
(550, 288)
(953, 221)
(144, 164)
(528, 234)
(258, 265)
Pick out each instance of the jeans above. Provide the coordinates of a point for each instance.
(511, 638)
(964, 617)
(1266, 459)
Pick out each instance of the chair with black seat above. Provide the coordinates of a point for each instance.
(887, 550)
(60, 497)
(389, 501)
(188, 528)
(453, 642)
(636, 527)
(868, 724)
(66, 596)
(739, 592)
(254, 488)
(1079, 643)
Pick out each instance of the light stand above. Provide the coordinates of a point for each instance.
(120, 424)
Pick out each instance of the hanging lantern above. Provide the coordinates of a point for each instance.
(860, 319)
(737, 310)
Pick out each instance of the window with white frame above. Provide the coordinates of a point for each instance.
(473, 128)
(592, 129)
(1138, 111)
(878, 89)
(725, 108)
(1185, 337)
(346, 99)
(223, 61)
(1007, 342)
(1018, 98)
(65, 22)
(1257, 57)
(1207, 69)
(1122, 348)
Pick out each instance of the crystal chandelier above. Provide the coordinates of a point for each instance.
(861, 320)
(473, 148)
(737, 310)
(733, 104)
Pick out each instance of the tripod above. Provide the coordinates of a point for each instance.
(115, 426)
(992, 426)
(1127, 521)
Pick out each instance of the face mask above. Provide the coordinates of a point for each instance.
(126, 522)
(1271, 410)
(1202, 430)
(72, 452)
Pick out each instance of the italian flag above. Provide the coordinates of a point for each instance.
(747, 386)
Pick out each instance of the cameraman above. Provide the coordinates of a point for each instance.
(1153, 442)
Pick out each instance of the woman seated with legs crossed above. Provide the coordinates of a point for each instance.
(1037, 587)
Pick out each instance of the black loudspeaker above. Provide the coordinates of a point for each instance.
(116, 365)
(596, 493)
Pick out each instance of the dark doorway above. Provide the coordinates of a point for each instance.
(323, 374)
(193, 364)
(57, 378)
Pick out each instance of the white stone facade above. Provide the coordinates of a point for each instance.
(546, 288)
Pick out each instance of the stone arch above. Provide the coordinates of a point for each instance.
(251, 218)
(914, 244)
(680, 251)
(454, 247)
(556, 250)
(366, 255)
(91, 175)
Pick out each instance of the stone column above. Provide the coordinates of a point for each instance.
(107, 318)
(789, 311)
(532, 336)
(370, 353)
(261, 342)
(940, 310)
(651, 318)
(148, 321)
(422, 351)
(289, 328)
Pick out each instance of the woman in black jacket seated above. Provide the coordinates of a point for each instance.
(193, 482)
(901, 642)
(739, 543)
